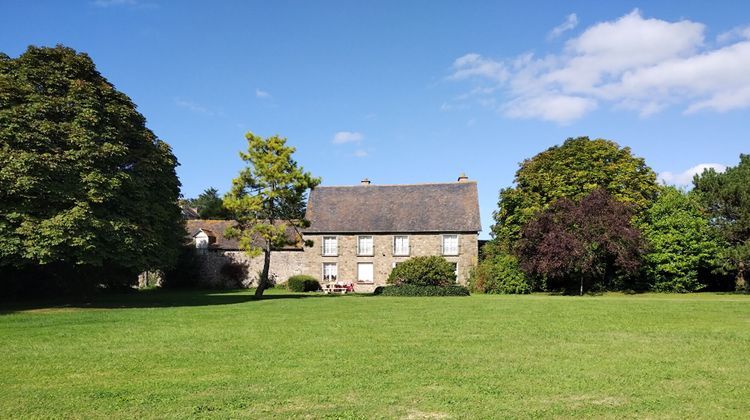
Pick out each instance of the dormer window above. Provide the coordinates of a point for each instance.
(204, 238)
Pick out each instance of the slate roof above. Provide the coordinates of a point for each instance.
(216, 228)
(446, 207)
(189, 213)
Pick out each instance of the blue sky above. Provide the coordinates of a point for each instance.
(404, 92)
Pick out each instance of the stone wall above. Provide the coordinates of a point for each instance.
(383, 259)
(284, 264)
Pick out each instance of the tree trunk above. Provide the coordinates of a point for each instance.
(263, 280)
(739, 282)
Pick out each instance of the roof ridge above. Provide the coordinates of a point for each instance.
(471, 181)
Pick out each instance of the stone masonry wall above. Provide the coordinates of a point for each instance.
(383, 258)
(284, 264)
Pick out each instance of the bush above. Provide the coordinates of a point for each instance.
(302, 283)
(424, 271)
(417, 290)
(499, 274)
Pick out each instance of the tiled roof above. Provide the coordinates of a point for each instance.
(447, 207)
(218, 227)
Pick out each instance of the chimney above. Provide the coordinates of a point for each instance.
(365, 181)
(463, 177)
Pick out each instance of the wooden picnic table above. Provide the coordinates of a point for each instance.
(337, 288)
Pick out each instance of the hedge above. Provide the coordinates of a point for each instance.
(414, 290)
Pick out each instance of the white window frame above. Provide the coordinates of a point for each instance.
(408, 246)
(372, 271)
(362, 253)
(450, 252)
(334, 251)
(335, 275)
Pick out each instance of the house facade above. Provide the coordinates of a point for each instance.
(361, 232)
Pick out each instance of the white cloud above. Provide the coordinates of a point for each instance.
(193, 107)
(473, 65)
(558, 108)
(734, 34)
(635, 63)
(342, 137)
(571, 21)
(686, 177)
(262, 94)
(361, 153)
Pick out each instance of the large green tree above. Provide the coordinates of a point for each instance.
(85, 187)
(210, 205)
(726, 197)
(571, 170)
(680, 242)
(267, 198)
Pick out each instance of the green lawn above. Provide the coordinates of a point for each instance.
(169, 354)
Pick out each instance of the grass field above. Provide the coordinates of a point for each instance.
(200, 354)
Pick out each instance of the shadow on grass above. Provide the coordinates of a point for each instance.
(154, 298)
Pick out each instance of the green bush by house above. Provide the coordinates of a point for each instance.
(302, 283)
(424, 271)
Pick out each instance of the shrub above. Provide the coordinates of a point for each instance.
(424, 271)
(418, 290)
(499, 274)
(302, 283)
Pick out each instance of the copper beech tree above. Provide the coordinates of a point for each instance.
(584, 244)
(267, 198)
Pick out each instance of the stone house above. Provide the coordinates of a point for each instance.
(361, 232)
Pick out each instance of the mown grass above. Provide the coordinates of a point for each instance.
(200, 354)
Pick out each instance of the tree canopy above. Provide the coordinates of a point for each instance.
(572, 170)
(266, 198)
(210, 205)
(726, 198)
(680, 242)
(83, 182)
(584, 244)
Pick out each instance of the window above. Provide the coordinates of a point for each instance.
(330, 271)
(364, 272)
(450, 244)
(400, 245)
(364, 245)
(330, 245)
